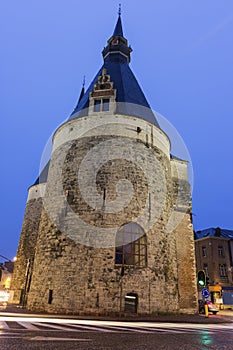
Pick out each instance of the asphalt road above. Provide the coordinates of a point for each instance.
(34, 333)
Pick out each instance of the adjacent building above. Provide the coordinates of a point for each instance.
(214, 252)
(6, 270)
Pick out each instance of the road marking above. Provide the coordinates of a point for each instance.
(117, 328)
(4, 325)
(75, 325)
(29, 325)
(99, 329)
(54, 326)
(163, 330)
(59, 339)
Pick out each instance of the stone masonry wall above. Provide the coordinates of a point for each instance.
(85, 280)
(186, 265)
(26, 250)
(100, 178)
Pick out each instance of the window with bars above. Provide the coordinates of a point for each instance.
(131, 245)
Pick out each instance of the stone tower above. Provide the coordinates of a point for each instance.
(107, 226)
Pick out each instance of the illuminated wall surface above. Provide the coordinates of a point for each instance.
(107, 226)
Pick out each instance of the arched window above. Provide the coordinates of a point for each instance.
(131, 245)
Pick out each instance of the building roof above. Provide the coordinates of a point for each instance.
(43, 175)
(129, 95)
(118, 31)
(214, 232)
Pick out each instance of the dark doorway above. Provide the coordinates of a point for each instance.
(131, 302)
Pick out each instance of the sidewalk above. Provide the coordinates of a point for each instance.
(224, 316)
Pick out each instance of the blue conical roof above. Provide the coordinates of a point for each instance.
(129, 95)
(118, 31)
(128, 92)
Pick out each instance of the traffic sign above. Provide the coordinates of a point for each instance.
(205, 293)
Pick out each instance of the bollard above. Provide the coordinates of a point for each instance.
(206, 310)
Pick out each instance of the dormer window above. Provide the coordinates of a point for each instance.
(106, 104)
(101, 105)
(103, 97)
(97, 105)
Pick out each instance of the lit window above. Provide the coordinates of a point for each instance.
(131, 245)
(220, 251)
(222, 270)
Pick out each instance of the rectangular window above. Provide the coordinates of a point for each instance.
(204, 254)
(222, 270)
(101, 105)
(97, 104)
(220, 251)
(105, 105)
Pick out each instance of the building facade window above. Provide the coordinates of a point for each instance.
(106, 105)
(222, 270)
(223, 273)
(220, 251)
(97, 104)
(101, 105)
(204, 253)
(131, 245)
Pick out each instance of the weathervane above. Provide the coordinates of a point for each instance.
(119, 11)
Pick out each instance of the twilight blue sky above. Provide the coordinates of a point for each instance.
(182, 57)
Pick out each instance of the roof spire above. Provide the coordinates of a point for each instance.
(117, 47)
(118, 31)
(82, 91)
